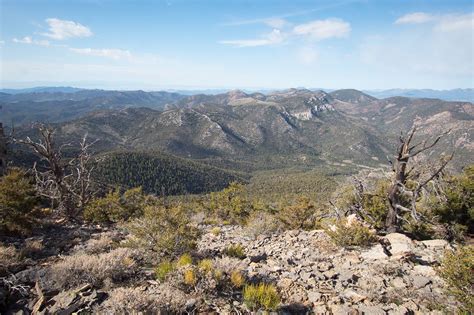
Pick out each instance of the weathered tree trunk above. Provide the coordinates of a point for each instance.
(398, 191)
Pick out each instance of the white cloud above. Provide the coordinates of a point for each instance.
(415, 18)
(24, 40)
(323, 29)
(62, 29)
(308, 55)
(450, 23)
(30, 41)
(115, 54)
(277, 23)
(273, 38)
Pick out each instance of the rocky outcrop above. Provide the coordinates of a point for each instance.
(397, 277)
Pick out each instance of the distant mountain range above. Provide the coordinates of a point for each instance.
(466, 95)
(251, 131)
(447, 95)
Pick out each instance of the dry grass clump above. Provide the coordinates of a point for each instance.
(32, 248)
(118, 265)
(8, 256)
(235, 250)
(163, 299)
(99, 245)
(261, 297)
(128, 300)
(262, 223)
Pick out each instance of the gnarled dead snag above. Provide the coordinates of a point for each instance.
(66, 184)
(401, 198)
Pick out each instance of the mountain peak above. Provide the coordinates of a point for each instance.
(352, 96)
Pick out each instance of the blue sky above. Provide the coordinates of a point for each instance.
(366, 44)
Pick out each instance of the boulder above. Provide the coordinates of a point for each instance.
(375, 253)
(420, 282)
(400, 244)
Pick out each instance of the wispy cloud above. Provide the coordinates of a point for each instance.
(30, 41)
(429, 53)
(324, 29)
(115, 54)
(460, 22)
(316, 30)
(273, 38)
(63, 29)
(415, 18)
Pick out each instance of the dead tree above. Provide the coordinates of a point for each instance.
(79, 181)
(66, 184)
(401, 198)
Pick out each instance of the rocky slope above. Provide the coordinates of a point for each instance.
(311, 275)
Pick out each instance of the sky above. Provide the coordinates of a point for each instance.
(150, 45)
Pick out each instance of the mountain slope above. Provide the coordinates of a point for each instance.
(281, 129)
(160, 173)
(60, 106)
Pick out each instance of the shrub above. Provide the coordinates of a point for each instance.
(17, 201)
(236, 279)
(372, 200)
(216, 231)
(206, 266)
(190, 277)
(299, 215)
(261, 296)
(184, 260)
(164, 231)
(117, 265)
(351, 232)
(116, 208)
(457, 270)
(231, 204)
(104, 210)
(262, 223)
(458, 206)
(163, 269)
(235, 250)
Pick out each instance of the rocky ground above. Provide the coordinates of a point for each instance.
(395, 276)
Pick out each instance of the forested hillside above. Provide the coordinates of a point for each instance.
(159, 173)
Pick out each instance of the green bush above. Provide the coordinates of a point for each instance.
(115, 208)
(164, 231)
(184, 260)
(163, 269)
(261, 297)
(349, 232)
(235, 250)
(458, 207)
(231, 204)
(457, 269)
(104, 210)
(17, 201)
(373, 201)
(298, 216)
